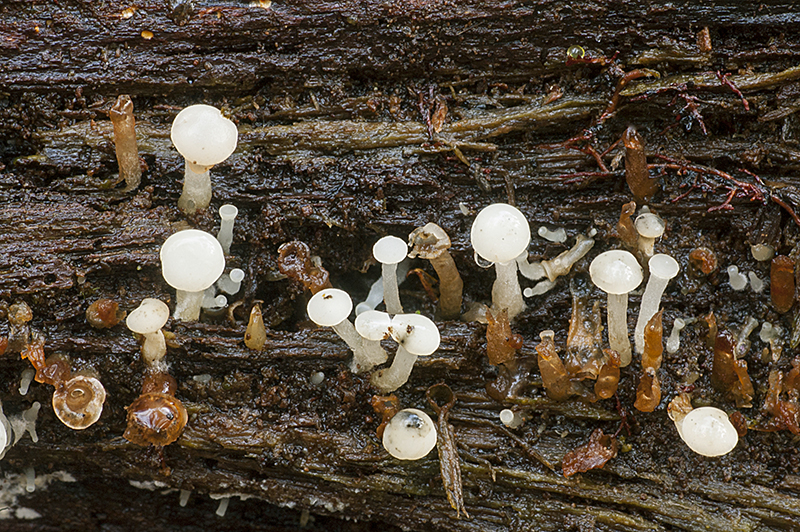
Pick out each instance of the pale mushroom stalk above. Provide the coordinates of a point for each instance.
(124, 123)
(431, 242)
(650, 228)
(389, 379)
(391, 293)
(389, 251)
(416, 336)
(618, 327)
(562, 264)
(188, 305)
(227, 214)
(366, 355)
(506, 292)
(662, 269)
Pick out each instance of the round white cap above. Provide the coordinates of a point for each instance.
(390, 250)
(708, 431)
(148, 317)
(192, 260)
(373, 324)
(329, 307)
(203, 136)
(410, 435)
(416, 333)
(228, 211)
(663, 266)
(649, 225)
(616, 272)
(500, 233)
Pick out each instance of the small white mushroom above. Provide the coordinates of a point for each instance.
(231, 283)
(227, 214)
(674, 340)
(389, 251)
(755, 282)
(737, 280)
(410, 435)
(559, 235)
(330, 308)
(147, 320)
(762, 252)
(204, 137)
(511, 419)
(417, 336)
(25, 380)
(662, 269)
(650, 227)
(500, 234)
(191, 261)
(562, 264)
(707, 431)
(616, 273)
(185, 494)
(373, 326)
(5, 433)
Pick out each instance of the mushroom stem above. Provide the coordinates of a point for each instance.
(154, 347)
(366, 354)
(124, 123)
(451, 287)
(618, 327)
(196, 193)
(389, 379)
(391, 294)
(506, 292)
(227, 214)
(187, 305)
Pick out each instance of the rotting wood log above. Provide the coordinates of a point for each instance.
(336, 104)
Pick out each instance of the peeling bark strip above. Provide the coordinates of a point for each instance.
(446, 445)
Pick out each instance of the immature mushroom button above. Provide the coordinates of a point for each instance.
(410, 435)
(662, 269)
(616, 273)
(708, 431)
(204, 137)
(147, 320)
(500, 234)
(650, 227)
(389, 251)
(191, 261)
(417, 336)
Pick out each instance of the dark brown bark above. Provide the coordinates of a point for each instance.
(331, 100)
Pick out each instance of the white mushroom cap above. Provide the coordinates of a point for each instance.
(500, 233)
(615, 272)
(373, 324)
(192, 260)
(390, 250)
(228, 211)
(149, 317)
(649, 225)
(329, 307)
(203, 136)
(416, 333)
(410, 435)
(708, 431)
(664, 266)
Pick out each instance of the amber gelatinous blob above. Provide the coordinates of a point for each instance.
(554, 375)
(729, 375)
(3, 345)
(387, 406)
(653, 344)
(155, 419)
(648, 394)
(739, 423)
(637, 175)
(592, 455)
(55, 371)
(104, 313)
(781, 286)
(608, 379)
(625, 228)
(703, 260)
(584, 356)
(500, 340)
(159, 382)
(294, 261)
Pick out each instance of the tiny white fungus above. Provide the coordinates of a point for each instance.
(708, 431)
(316, 378)
(227, 214)
(674, 340)
(373, 324)
(755, 282)
(558, 235)
(511, 419)
(762, 252)
(184, 498)
(540, 288)
(738, 281)
(650, 227)
(30, 479)
(417, 336)
(663, 268)
(148, 319)
(389, 251)
(223, 506)
(25, 380)
(410, 435)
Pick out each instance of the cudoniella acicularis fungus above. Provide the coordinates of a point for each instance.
(390, 251)
(500, 234)
(191, 261)
(662, 268)
(707, 431)
(416, 336)
(616, 273)
(204, 137)
(148, 319)
(410, 435)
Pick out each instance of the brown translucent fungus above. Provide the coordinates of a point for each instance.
(55, 371)
(729, 375)
(386, 406)
(653, 344)
(781, 287)
(679, 407)
(554, 375)
(3, 345)
(584, 356)
(19, 314)
(625, 228)
(78, 402)
(703, 261)
(648, 394)
(637, 175)
(295, 262)
(591, 455)
(104, 313)
(156, 417)
(124, 123)
(256, 334)
(501, 342)
(739, 422)
(449, 466)
(513, 378)
(608, 379)
(432, 243)
(785, 414)
(711, 321)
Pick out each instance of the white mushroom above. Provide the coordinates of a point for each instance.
(417, 336)
(674, 340)
(511, 418)
(616, 273)
(762, 252)
(204, 137)
(707, 431)
(737, 280)
(662, 269)
(147, 320)
(389, 251)
(500, 234)
(227, 214)
(650, 227)
(410, 435)
(191, 261)
(330, 308)
(5, 433)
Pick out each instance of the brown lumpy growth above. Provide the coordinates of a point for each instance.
(55, 371)
(648, 394)
(554, 375)
(653, 344)
(637, 175)
(432, 243)
(781, 287)
(584, 356)
(608, 379)
(501, 342)
(625, 228)
(703, 260)
(19, 314)
(729, 375)
(386, 406)
(104, 313)
(739, 423)
(294, 261)
(155, 419)
(592, 455)
(784, 413)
